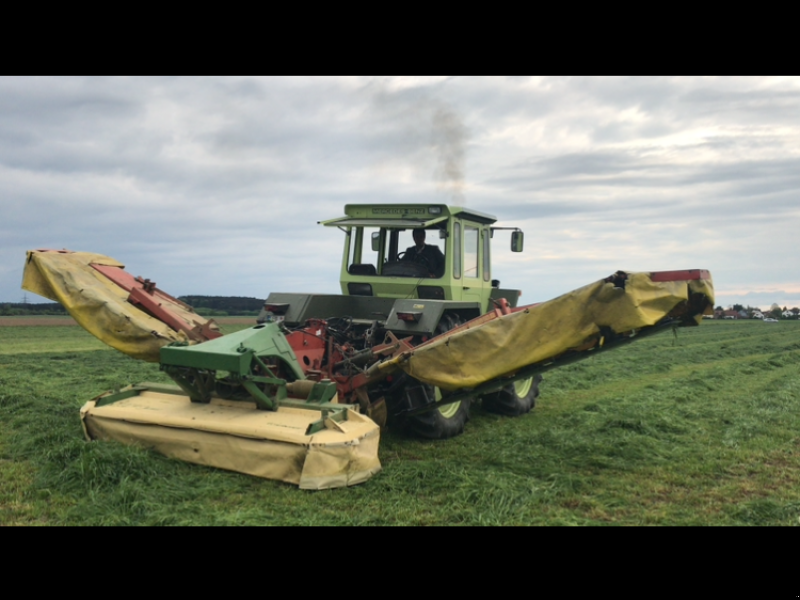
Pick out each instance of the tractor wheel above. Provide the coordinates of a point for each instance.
(515, 399)
(446, 421)
(440, 423)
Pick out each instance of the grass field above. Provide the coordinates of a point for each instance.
(698, 429)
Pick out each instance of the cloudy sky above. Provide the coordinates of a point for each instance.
(215, 185)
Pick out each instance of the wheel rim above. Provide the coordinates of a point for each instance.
(448, 410)
(523, 387)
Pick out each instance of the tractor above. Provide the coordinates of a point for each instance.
(416, 271)
(419, 333)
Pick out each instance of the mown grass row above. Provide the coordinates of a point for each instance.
(702, 429)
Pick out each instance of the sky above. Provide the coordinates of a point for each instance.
(214, 186)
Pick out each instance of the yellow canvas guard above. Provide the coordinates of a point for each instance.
(503, 346)
(101, 306)
(237, 437)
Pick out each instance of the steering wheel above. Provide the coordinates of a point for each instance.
(420, 259)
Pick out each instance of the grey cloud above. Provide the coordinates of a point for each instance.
(215, 185)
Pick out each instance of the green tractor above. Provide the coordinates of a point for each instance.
(415, 271)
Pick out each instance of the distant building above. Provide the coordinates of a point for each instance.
(732, 314)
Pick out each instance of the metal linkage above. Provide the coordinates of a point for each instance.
(258, 359)
(259, 362)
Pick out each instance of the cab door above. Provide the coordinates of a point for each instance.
(472, 265)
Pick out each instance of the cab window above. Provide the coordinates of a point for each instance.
(362, 259)
(432, 256)
(470, 251)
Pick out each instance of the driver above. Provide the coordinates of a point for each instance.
(426, 254)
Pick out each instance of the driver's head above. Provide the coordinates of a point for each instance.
(419, 237)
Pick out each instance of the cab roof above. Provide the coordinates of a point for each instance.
(404, 215)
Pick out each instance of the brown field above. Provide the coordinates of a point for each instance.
(42, 320)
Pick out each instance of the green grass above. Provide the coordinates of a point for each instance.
(702, 429)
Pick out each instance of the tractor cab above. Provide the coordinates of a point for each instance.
(433, 252)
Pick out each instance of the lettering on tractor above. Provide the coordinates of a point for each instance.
(420, 333)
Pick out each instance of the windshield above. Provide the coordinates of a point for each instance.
(423, 247)
(397, 252)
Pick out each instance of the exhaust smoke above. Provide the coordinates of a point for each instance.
(448, 144)
(420, 131)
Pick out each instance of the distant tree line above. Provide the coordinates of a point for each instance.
(9, 309)
(220, 306)
(207, 306)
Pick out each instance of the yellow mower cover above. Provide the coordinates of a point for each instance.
(237, 437)
(503, 346)
(100, 305)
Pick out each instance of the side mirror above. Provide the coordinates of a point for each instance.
(516, 241)
(442, 234)
(376, 241)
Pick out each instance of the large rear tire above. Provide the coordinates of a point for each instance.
(440, 423)
(515, 399)
(445, 421)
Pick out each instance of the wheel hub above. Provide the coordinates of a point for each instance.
(447, 410)
(522, 387)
